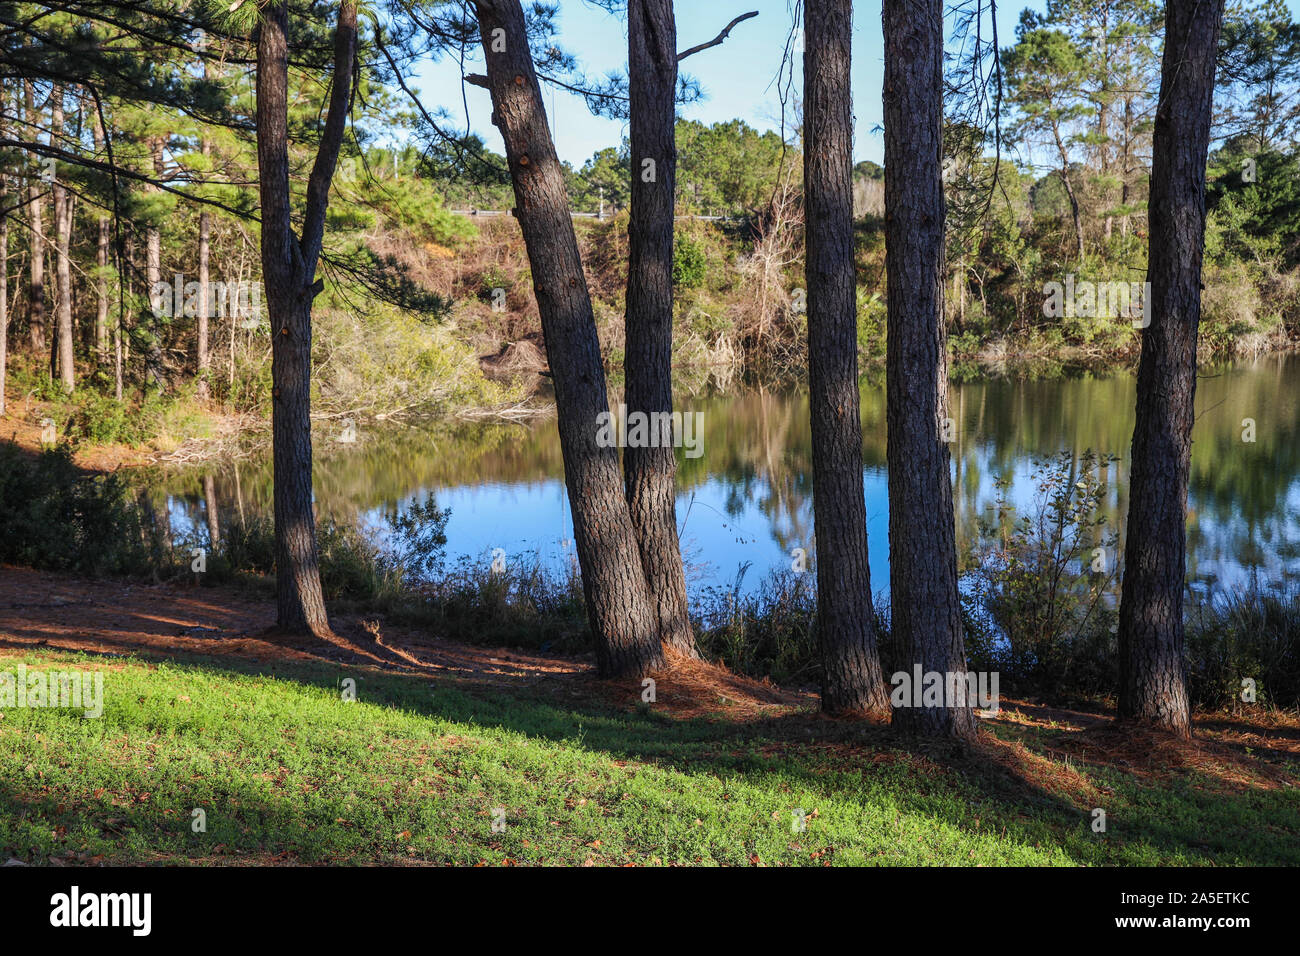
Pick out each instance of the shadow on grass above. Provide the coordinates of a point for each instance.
(1018, 791)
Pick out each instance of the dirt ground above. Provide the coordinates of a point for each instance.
(114, 616)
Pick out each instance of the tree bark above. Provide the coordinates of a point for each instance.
(618, 604)
(651, 472)
(288, 270)
(205, 232)
(154, 367)
(211, 511)
(205, 227)
(925, 608)
(4, 265)
(1153, 687)
(62, 262)
(36, 219)
(103, 238)
(852, 680)
(1069, 192)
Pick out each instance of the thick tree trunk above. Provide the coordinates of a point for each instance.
(925, 609)
(651, 472)
(618, 605)
(1152, 684)
(288, 270)
(62, 262)
(36, 220)
(852, 679)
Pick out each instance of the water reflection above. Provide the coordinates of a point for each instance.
(747, 499)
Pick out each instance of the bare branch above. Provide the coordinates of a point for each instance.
(718, 39)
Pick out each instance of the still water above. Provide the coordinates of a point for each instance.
(746, 502)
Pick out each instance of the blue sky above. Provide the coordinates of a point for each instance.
(738, 77)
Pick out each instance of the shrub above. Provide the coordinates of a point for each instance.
(1233, 636)
(1041, 585)
(53, 515)
(690, 263)
(770, 633)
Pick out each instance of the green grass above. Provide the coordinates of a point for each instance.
(286, 771)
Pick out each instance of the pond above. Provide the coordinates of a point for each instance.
(745, 503)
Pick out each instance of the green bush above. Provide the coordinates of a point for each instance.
(871, 323)
(1041, 584)
(690, 263)
(53, 515)
(102, 420)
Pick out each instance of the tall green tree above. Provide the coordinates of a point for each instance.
(925, 608)
(650, 470)
(1044, 72)
(846, 624)
(1153, 686)
(623, 620)
(289, 261)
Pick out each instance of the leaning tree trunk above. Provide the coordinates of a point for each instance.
(1152, 684)
(925, 608)
(852, 679)
(288, 269)
(1075, 216)
(650, 472)
(618, 604)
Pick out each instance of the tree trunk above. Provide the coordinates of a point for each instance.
(205, 232)
(4, 291)
(103, 239)
(852, 679)
(211, 511)
(62, 261)
(1152, 684)
(4, 265)
(205, 227)
(1069, 191)
(36, 219)
(288, 271)
(651, 471)
(154, 367)
(925, 609)
(618, 604)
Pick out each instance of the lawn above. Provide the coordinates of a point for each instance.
(422, 771)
